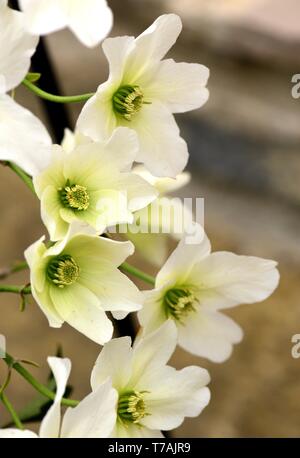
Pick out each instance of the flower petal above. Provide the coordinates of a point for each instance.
(152, 45)
(61, 368)
(114, 361)
(11, 433)
(226, 279)
(134, 431)
(152, 352)
(42, 16)
(162, 150)
(181, 262)
(90, 20)
(152, 315)
(114, 290)
(23, 138)
(180, 86)
(94, 417)
(174, 395)
(81, 309)
(50, 213)
(16, 50)
(209, 335)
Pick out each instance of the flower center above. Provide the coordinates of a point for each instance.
(178, 303)
(74, 196)
(132, 406)
(63, 270)
(127, 101)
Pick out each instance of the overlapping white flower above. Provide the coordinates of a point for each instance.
(151, 395)
(143, 91)
(94, 417)
(92, 184)
(77, 280)
(89, 20)
(195, 284)
(163, 218)
(23, 138)
(16, 48)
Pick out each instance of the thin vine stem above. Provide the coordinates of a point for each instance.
(11, 410)
(56, 98)
(138, 273)
(23, 175)
(15, 289)
(11, 362)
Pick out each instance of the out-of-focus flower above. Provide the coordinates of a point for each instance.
(77, 280)
(93, 417)
(195, 284)
(92, 184)
(151, 395)
(17, 47)
(89, 20)
(165, 217)
(23, 138)
(143, 91)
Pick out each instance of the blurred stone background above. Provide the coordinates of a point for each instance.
(245, 158)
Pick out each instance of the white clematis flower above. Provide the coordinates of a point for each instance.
(89, 20)
(163, 218)
(92, 184)
(152, 395)
(77, 280)
(23, 138)
(143, 91)
(194, 284)
(93, 417)
(17, 47)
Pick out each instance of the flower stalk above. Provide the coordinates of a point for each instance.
(56, 98)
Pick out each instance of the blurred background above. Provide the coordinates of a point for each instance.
(245, 159)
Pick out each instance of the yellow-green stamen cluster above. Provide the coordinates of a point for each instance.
(75, 197)
(127, 101)
(63, 270)
(132, 407)
(178, 303)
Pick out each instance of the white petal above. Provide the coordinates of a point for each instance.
(90, 20)
(116, 51)
(174, 395)
(97, 119)
(94, 417)
(152, 45)
(162, 150)
(139, 193)
(152, 315)
(61, 368)
(180, 86)
(81, 309)
(181, 262)
(44, 16)
(10, 433)
(209, 335)
(114, 361)
(122, 148)
(23, 138)
(153, 351)
(50, 214)
(114, 290)
(95, 250)
(134, 431)
(226, 279)
(16, 49)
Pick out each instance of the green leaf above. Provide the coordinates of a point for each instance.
(33, 77)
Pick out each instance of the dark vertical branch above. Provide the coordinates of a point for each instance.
(57, 113)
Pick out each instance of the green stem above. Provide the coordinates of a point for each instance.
(21, 174)
(138, 273)
(18, 267)
(35, 383)
(12, 411)
(56, 98)
(15, 289)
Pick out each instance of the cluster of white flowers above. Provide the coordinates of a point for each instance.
(89, 184)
